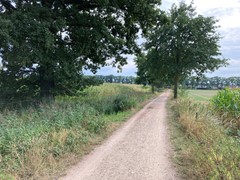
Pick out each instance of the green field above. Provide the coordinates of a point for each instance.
(202, 95)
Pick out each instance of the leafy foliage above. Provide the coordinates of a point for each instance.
(45, 45)
(227, 105)
(148, 74)
(187, 43)
(143, 73)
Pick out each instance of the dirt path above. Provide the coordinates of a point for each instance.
(139, 150)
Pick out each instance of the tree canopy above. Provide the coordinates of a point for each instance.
(188, 43)
(44, 45)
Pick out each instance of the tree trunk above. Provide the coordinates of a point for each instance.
(153, 90)
(176, 78)
(46, 82)
(46, 89)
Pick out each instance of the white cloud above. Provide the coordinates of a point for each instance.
(205, 5)
(231, 70)
(228, 13)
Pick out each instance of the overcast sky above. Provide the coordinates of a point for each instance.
(228, 14)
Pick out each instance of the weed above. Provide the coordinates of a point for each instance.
(34, 140)
(204, 150)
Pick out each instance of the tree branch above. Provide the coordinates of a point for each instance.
(7, 5)
(83, 4)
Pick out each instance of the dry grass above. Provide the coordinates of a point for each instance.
(203, 149)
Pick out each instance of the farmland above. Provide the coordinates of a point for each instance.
(202, 95)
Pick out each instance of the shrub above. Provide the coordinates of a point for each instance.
(114, 104)
(114, 98)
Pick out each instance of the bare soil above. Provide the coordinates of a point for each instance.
(139, 150)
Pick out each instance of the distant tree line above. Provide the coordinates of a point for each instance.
(211, 83)
(116, 79)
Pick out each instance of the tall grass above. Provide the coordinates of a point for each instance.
(204, 150)
(33, 141)
(227, 105)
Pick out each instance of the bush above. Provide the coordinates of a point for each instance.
(114, 104)
(114, 98)
(122, 103)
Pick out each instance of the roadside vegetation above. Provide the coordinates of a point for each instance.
(227, 105)
(38, 142)
(44, 47)
(204, 147)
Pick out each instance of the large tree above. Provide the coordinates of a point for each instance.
(148, 72)
(188, 43)
(45, 43)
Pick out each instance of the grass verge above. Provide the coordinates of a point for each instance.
(39, 143)
(203, 150)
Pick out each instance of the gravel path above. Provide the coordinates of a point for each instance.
(140, 150)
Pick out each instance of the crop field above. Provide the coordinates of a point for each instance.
(202, 95)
